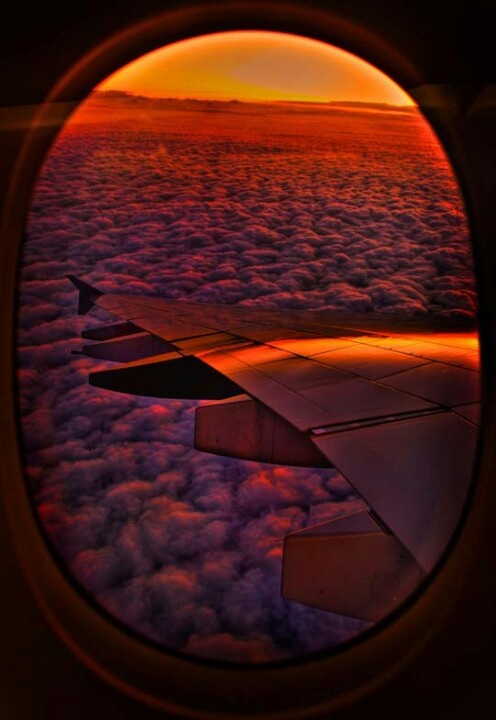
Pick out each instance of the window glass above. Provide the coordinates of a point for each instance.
(254, 169)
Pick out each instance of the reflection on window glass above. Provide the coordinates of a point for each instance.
(259, 171)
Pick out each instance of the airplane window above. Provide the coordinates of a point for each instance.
(255, 440)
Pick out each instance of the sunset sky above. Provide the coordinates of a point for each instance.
(254, 65)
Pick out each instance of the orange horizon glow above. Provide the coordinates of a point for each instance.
(256, 66)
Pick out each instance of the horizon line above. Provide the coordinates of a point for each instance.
(351, 103)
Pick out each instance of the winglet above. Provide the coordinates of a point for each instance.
(87, 294)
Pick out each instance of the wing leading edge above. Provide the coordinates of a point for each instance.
(395, 412)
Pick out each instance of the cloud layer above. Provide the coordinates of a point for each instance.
(355, 211)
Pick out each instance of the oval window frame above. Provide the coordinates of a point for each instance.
(108, 650)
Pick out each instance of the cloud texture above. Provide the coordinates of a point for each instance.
(356, 211)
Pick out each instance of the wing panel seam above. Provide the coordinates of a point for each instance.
(379, 420)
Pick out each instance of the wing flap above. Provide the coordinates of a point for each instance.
(349, 566)
(245, 428)
(414, 473)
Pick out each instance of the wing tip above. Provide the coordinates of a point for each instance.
(88, 294)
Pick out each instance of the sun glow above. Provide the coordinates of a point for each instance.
(249, 65)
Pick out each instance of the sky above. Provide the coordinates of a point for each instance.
(256, 65)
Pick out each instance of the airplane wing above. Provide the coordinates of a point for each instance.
(396, 412)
